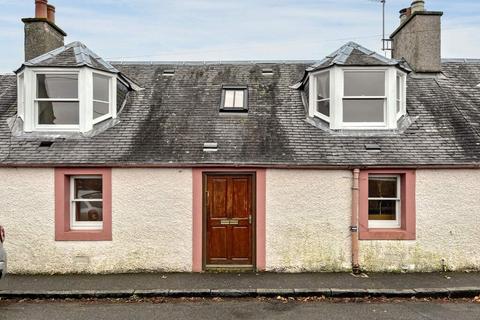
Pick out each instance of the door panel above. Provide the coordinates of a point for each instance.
(241, 238)
(240, 198)
(229, 217)
(218, 208)
(218, 237)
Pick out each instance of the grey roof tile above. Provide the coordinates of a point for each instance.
(169, 121)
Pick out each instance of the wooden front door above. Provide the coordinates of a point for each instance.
(229, 211)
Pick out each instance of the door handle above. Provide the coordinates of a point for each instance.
(250, 219)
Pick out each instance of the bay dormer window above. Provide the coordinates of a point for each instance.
(65, 99)
(358, 98)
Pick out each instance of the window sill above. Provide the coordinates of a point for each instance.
(386, 234)
(84, 235)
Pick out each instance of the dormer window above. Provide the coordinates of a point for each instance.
(66, 99)
(358, 97)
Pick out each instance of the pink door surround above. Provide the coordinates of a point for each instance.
(197, 236)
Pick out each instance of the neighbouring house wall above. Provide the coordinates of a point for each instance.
(151, 217)
(307, 220)
(448, 227)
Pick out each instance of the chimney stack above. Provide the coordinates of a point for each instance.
(42, 35)
(418, 38)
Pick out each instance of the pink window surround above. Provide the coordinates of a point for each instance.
(408, 223)
(197, 259)
(62, 206)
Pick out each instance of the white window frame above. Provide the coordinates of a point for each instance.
(83, 225)
(403, 94)
(366, 125)
(55, 127)
(111, 87)
(337, 75)
(21, 95)
(388, 224)
(313, 94)
(85, 99)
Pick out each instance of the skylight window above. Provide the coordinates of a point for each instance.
(234, 99)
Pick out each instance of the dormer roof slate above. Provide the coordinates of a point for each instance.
(72, 55)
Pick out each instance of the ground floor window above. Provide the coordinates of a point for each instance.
(387, 205)
(83, 204)
(384, 201)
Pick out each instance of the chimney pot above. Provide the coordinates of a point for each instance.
(51, 13)
(405, 13)
(41, 9)
(418, 5)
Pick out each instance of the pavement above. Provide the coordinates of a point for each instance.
(434, 285)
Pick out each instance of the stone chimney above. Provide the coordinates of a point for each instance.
(42, 35)
(418, 38)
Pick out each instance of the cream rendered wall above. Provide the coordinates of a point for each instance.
(448, 227)
(152, 224)
(307, 220)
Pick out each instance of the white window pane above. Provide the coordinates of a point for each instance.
(101, 88)
(323, 86)
(88, 210)
(364, 110)
(100, 109)
(63, 86)
(364, 83)
(229, 98)
(58, 112)
(239, 99)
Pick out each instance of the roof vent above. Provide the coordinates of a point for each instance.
(210, 147)
(267, 72)
(372, 147)
(169, 72)
(45, 144)
(478, 85)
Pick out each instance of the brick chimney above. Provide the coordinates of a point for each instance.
(42, 35)
(418, 38)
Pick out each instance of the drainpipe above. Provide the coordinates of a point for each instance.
(354, 222)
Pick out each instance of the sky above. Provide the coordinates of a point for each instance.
(213, 30)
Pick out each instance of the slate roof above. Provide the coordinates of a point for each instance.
(74, 54)
(167, 123)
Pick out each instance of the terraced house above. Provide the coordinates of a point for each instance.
(355, 161)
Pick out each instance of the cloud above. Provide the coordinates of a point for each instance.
(230, 29)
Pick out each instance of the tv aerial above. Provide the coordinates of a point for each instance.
(386, 43)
